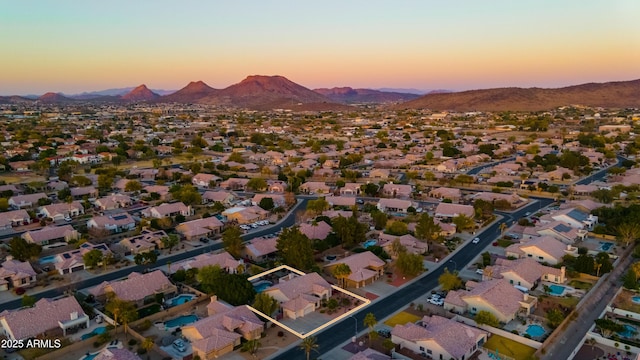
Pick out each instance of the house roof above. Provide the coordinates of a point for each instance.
(498, 293)
(43, 316)
(319, 230)
(369, 354)
(119, 219)
(62, 208)
(545, 244)
(50, 233)
(394, 203)
(360, 265)
(199, 227)
(311, 283)
(262, 246)
(224, 260)
(446, 209)
(7, 218)
(16, 269)
(116, 354)
(136, 287)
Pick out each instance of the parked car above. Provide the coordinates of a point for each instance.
(385, 333)
(179, 345)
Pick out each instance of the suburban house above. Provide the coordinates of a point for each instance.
(350, 189)
(365, 268)
(573, 217)
(161, 190)
(379, 174)
(235, 184)
(222, 330)
(136, 288)
(343, 201)
(223, 260)
(525, 272)
(412, 244)
(48, 316)
(445, 210)
(204, 180)
(80, 192)
(259, 249)
(316, 230)
(51, 234)
(226, 198)
(394, 205)
(145, 242)
(60, 211)
(13, 218)
(544, 249)
(278, 199)
(111, 202)
(369, 354)
(300, 295)
(245, 215)
(314, 187)
(168, 210)
(26, 201)
(276, 186)
(72, 261)
(514, 200)
(561, 231)
(115, 223)
(397, 190)
(200, 228)
(497, 296)
(445, 193)
(436, 337)
(15, 274)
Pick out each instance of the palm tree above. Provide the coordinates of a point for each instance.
(628, 232)
(370, 321)
(308, 344)
(341, 272)
(147, 345)
(251, 347)
(503, 227)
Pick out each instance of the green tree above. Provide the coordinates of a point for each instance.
(370, 322)
(123, 312)
(554, 317)
(602, 263)
(410, 264)
(92, 258)
(484, 317)
(257, 184)
(628, 232)
(379, 219)
(147, 345)
(584, 264)
(318, 206)
(295, 248)
(397, 228)
(309, 344)
(426, 228)
(132, 186)
(232, 241)
(349, 230)
(267, 203)
(463, 222)
(265, 303)
(235, 289)
(145, 258)
(105, 182)
(170, 241)
(4, 204)
(251, 346)
(28, 301)
(608, 327)
(341, 272)
(449, 281)
(21, 250)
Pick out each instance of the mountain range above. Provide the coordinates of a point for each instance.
(277, 92)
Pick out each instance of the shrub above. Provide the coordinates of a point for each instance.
(132, 342)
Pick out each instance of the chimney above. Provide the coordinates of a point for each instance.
(214, 298)
(9, 258)
(74, 315)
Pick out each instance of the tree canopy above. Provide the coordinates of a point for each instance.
(295, 248)
(235, 289)
(449, 280)
(232, 241)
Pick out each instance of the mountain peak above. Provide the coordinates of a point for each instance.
(193, 92)
(53, 97)
(140, 93)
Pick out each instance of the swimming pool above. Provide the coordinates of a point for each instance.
(636, 299)
(180, 299)
(261, 286)
(369, 243)
(557, 290)
(96, 331)
(180, 321)
(535, 330)
(90, 356)
(629, 331)
(48, 260)
(605, 246)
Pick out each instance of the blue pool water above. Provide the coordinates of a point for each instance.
(629, 331)
(180, 299)
(90, 356)
(605, 246)
(96, 331)
(556, 290)
(636, 299)
(181, 321)
(48, 259)
(262, 286)
(535, 330)
(369, 243)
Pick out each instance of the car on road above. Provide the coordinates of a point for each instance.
(475, 240)
(527, 213)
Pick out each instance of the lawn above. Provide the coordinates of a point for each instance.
(149, 310)
(580, 285)
(504, 243)
(402, 318)
(12, 178)
(509, 347)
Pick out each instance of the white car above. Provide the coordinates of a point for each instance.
(475, 240)
(67, 219)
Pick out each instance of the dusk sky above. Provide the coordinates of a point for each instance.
(74, 46)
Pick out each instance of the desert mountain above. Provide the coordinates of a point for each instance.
(349, 95)
(140, 93)
(14, 99)
(192, 93)
(52, 97)
(267, 92)
(610, 95)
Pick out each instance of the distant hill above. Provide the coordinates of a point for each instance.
(347, 95)
(192, 93)
(609, 95)
(140, 93)
(14, 99)
(117, 92)
(52, 97)
(268, 92)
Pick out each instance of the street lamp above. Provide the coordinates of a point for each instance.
(355, 321)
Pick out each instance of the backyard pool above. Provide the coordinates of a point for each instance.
(636, 299)
(261, 286)
(180, 299)
(605, 246)
(47, 259)
(96, 331)
(629, 331)
(369, 243)
(180, 321)
(556, 290)
(535, 330)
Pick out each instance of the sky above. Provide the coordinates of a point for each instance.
(73, 46)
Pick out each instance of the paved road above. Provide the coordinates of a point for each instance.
(287, 221)
(476, 170)
(590, 309)
(337, 334)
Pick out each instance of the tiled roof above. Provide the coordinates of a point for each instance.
(116, 354)
(262, 246)
(136, 287)
(319, 230)
(224, 260)
(305, 284)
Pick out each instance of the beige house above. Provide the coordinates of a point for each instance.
(15, 274)
(300, 295)
(525, 272)
(200, 228)
(365, 268)
(136, 288)
(258, 249)
(443, 193)
(544, 249)
(51, 234)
